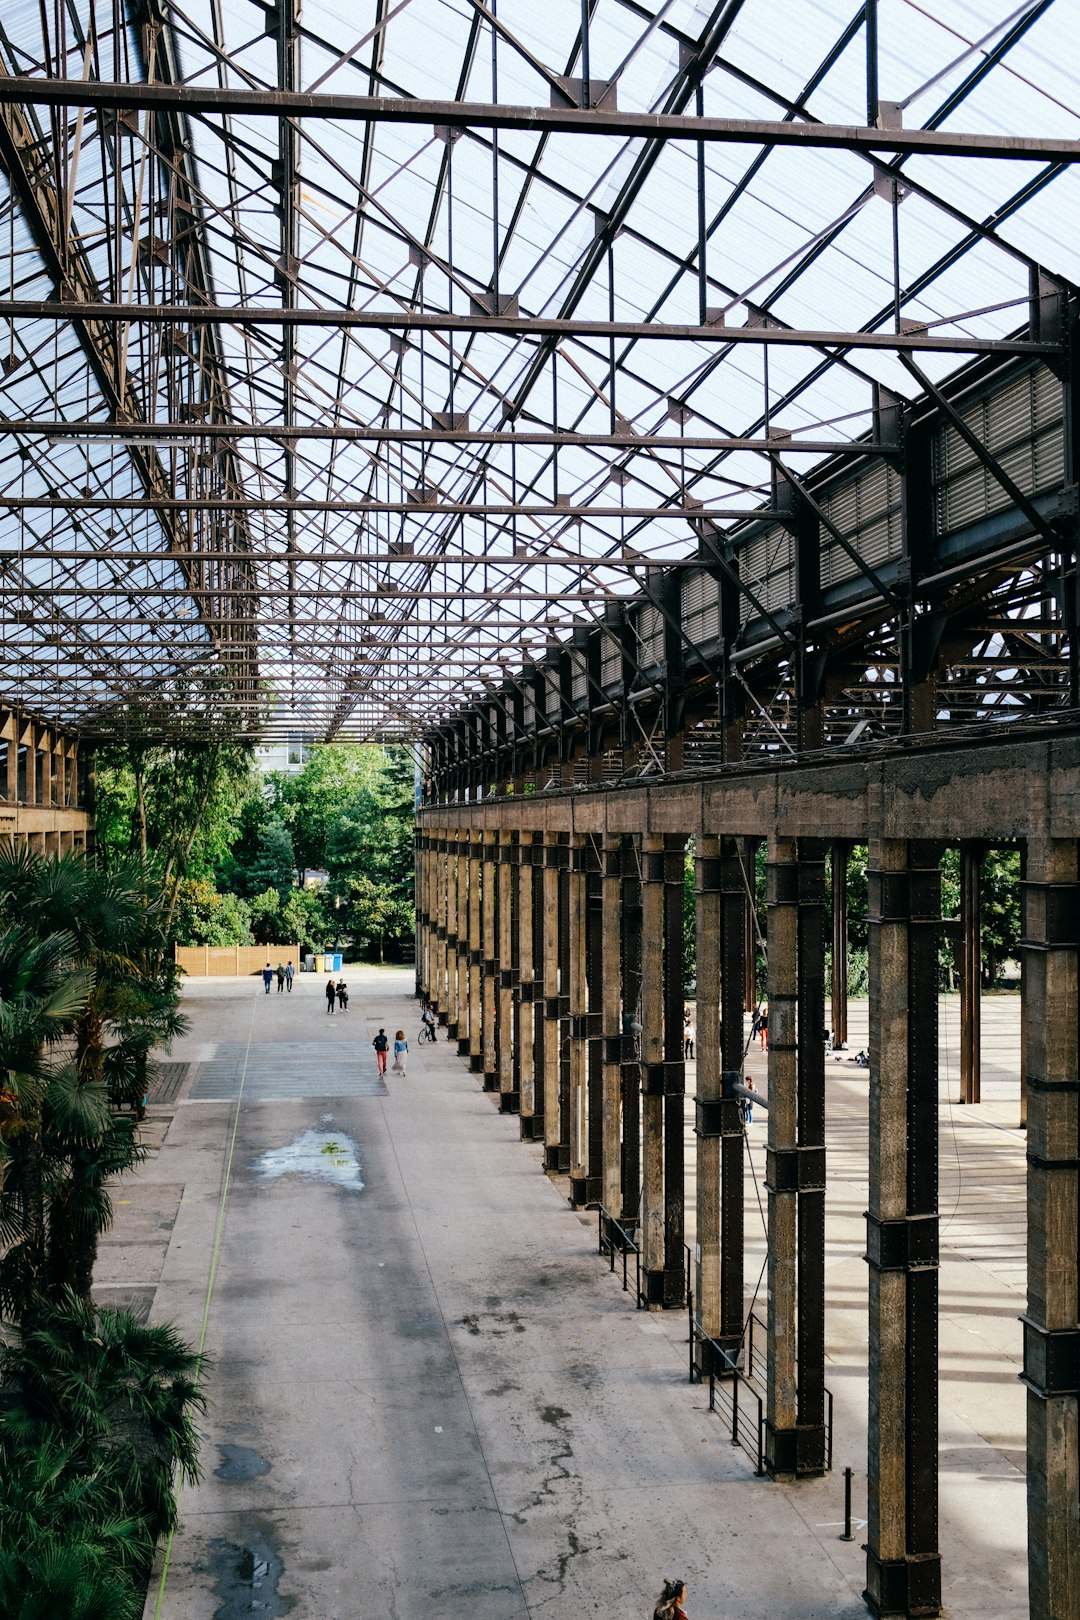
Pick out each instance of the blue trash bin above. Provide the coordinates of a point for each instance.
(337, 962)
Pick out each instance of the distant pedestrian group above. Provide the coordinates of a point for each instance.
(338, 993)
(284, 973)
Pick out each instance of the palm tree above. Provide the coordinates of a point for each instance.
(118, 936)
(41, 999)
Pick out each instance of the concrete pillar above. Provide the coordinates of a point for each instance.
(838, 1010)
(454, 912)
(491, 852)
(595, 969)
(970, 972)
(474, 958)
(506, 959)
(527, 1055)
(652, 1068)
(783, 1206)
(795, 1174)
(556, 1149)
(578, 1007)
(1051, 935)
(630, 1082)
(903, 1563)
(708, 909)
(610, 1194)
(674, 1073)
(735, 876)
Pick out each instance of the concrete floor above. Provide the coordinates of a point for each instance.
(429, 1398)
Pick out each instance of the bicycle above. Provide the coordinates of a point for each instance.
(426, 1034)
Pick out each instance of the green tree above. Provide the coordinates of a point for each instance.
(313, 802)
(274, 864)
(204, 916)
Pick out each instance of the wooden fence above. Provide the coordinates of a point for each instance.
(233, 961)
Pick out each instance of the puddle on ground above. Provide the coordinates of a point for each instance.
(324, 1155)
(247, 1580)
(240, 1462)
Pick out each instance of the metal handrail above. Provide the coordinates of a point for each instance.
(746, 1431)
(608, 1226)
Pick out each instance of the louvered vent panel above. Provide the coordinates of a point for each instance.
(867, 512)
(767, 564)
(701, 608)
(1022, 427)
(552, 701)
(610, 662)
(528, 710)
(649, 624)
(579, 683)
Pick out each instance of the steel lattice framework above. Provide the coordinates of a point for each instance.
(375, 370)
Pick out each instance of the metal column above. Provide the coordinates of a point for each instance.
(674, 1073)
(556, 1150)
(838, 1012)
(610, 1193)
(1051, 937)
(970, 972)
(486, 977)
(903, 1563)
(652, 1068)
(631, 1030)
(796, 1440)
(595, 970)
(506, 970)
(734, 877)
(578, 1006)
(708, 911)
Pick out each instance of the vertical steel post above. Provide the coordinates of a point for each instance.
(732, 1158)
(652, 1068)
(610, 1193)
(595, 978)
(631, 1030)
(506, 974)
(578, 996)
(810, 1157)
(970, 972)
(487, 969)
(903, 1563)
(708, 916)
(549, 913)
(838, 1011)
(1051, 941)
(674, 1072)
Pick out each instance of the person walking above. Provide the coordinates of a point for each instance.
(279, 974)
(748, 1102)
(401, 1052)
(331, 993)
(343, 995)
(689, 1034)
(382, 1046)
(670, 1602)
(290, 974)
(267, 978)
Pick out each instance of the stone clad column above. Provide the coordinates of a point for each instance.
(506, 960)
(564, 859)
(578, 1007)
(630, 1079)
(733, 883)
(595, 963)
(795, 1175)
(453, 916)
(674, 1072)
(782, 876)
(707, 916)
(464, 1009)
(489, 952)
(652, 1068)
(903, 1563)
(554, 1150)
(528, 1056)
(1051, 932)
(610, 1193)
(474, 959)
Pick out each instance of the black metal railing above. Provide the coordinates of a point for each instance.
(615, 1236)
(731, 1396)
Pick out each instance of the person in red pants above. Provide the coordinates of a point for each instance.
(381, 1045)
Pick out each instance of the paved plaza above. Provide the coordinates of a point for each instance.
(428, 1397)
